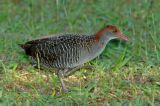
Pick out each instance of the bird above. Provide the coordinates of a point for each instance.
(66, 52)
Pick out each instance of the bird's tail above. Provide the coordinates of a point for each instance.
(26, 47)
(22, 46)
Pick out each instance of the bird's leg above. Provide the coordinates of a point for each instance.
(69, 72)
(60, 75)
(89, 67)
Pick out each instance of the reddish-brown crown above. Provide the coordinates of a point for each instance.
(112, 29)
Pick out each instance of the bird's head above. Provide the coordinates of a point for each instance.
(110, 32)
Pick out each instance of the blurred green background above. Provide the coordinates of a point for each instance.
(126, 73)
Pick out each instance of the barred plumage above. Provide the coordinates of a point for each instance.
(68, 51)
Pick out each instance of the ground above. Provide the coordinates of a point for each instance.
(125, 73)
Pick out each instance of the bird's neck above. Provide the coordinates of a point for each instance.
(104, 38)
(101, 43)
(98, 46)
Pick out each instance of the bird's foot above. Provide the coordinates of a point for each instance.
(65, 90)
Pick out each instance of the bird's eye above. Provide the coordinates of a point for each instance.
(115, 30)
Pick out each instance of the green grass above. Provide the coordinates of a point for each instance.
(126, 74)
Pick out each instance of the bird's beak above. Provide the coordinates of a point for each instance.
(122, 36)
